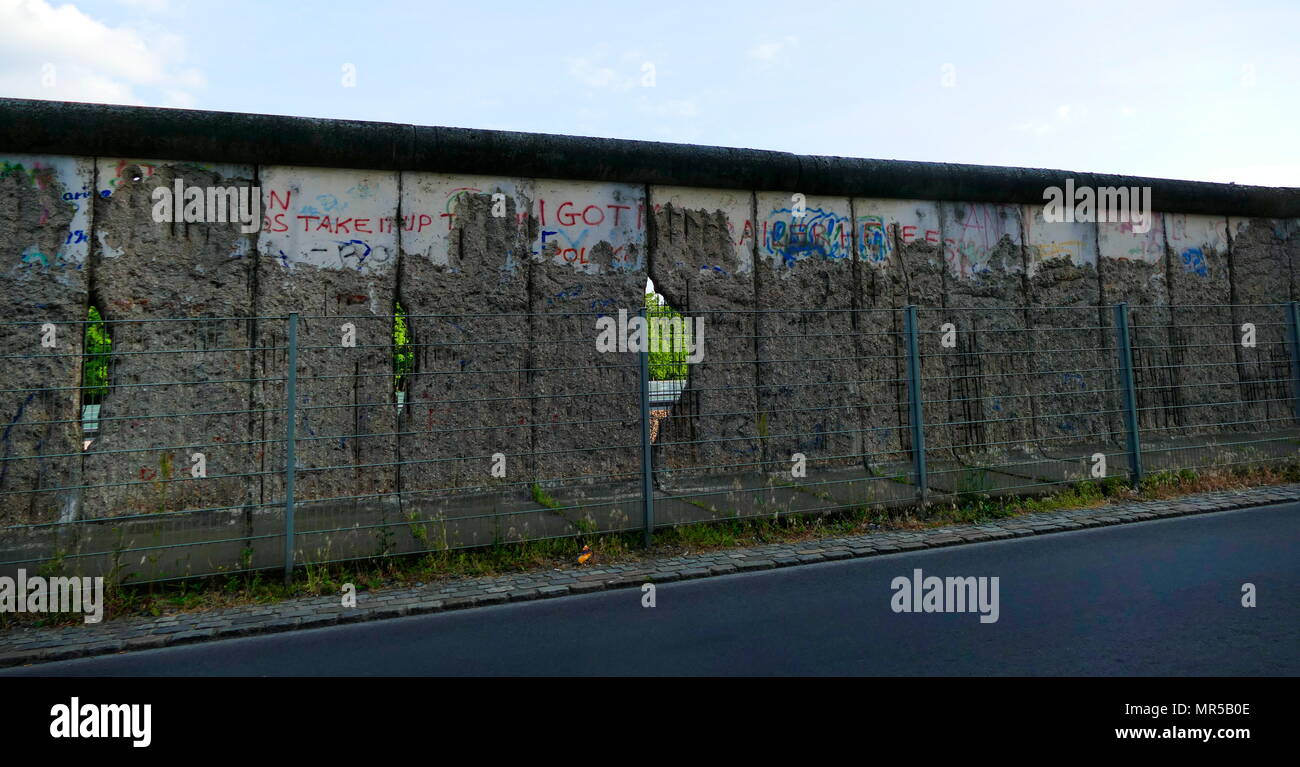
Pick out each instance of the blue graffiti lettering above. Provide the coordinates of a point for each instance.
(1194, 261)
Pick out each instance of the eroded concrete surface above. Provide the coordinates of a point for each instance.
(503, 281)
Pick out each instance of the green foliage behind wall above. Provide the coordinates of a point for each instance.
(665, 365)
(94, 369)
(403, 352)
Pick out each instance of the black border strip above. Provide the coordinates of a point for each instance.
(68, 128)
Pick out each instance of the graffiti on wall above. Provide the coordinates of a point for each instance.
(787, 236)
(1192, 238)
(875, 238)
(590, 228)
(973, 232)
(689, 207)
(331, 219)
(1073, 242)
(433, 205)
(1118, 240)
(65, 180)
(884, 225)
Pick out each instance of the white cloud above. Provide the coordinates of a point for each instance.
(594, 75)
(60, 53)
(1065, 113)
(768, 53)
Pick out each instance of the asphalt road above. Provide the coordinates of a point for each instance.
(1162, 598)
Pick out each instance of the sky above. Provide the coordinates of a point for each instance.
(1183, 89)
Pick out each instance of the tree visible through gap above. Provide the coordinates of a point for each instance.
(94, 370)
(668, 364)
(403, 354)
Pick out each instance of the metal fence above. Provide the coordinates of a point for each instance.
(226, 445)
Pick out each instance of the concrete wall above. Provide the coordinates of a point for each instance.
(1133, 270)
(803, 349)
(150, 271)
(988, 393)
(702, 262)
(1261, 272)
(588, 259)
(807, 371)
(329, 252)
(45, 227)
(464, 283)
(897, 240)
(1063, 288)
(1201, 338)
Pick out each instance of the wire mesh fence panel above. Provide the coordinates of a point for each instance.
(170, 466)
(40, 469)
(503, 436)
(1235, 403)
(147, 448)
(703, 273)
(43, 439)
(467, 412)
(345, 451)
(1029, 389)
(713, 421)
(806, 422)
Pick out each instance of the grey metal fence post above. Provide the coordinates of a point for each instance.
(290, 440)
(647, 469)
(915, 411)
(1125, 350)
(1293, 312)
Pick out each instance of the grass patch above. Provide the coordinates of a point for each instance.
(546, 500)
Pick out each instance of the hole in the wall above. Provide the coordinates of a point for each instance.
(97, 348)
(668, 366)
(403, 355)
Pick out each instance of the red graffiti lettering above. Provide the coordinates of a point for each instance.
(586, 216)
(283, 204)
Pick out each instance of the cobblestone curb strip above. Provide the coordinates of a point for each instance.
(26, 645)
